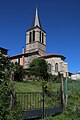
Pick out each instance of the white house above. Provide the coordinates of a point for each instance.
(75, 76)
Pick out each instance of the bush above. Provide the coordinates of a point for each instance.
(54, 78)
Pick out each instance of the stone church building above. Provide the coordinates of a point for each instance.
(36, 47)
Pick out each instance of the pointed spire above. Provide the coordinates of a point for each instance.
(36, 21)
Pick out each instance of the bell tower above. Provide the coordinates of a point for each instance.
(36, 37)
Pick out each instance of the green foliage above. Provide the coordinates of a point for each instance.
(58, 117)
(5, 70)
(4, 90)
(38, 67)
(19, 72)
(15, 113)
(54, 78)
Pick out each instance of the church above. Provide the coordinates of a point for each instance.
(36, 47)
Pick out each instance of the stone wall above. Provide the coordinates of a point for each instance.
(62, 65)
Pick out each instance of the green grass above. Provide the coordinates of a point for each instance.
(29, 86)
(34, 86)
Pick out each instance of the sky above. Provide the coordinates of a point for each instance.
(59, 18)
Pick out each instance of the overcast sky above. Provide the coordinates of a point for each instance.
(59, 18)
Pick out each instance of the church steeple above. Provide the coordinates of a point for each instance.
(36, 37)
(36, 21)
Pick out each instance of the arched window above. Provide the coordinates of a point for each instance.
(49, 67)
(30, 37)
(33, 35)
(56, 67)
(40, 36)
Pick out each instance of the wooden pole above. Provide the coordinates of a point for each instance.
(65, 90)
(12, 96)
(62, 90)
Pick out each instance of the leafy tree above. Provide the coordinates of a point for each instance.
(19, 72)
(38, 67)
(5, 112)
(4, 89)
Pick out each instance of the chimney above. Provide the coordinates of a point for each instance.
(23, 50)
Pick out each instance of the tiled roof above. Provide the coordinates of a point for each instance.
(52, 55)
(20, 55)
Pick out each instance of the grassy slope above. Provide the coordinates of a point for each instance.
(27, 86)
(34, 86)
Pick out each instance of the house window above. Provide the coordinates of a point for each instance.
(56, 67)
(49, 67)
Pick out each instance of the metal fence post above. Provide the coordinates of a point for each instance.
(43, 104)
(62, 90)
(65, 91)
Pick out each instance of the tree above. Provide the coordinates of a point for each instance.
(5, 112)
(4, 89)
(19, 71)
(38, 67)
